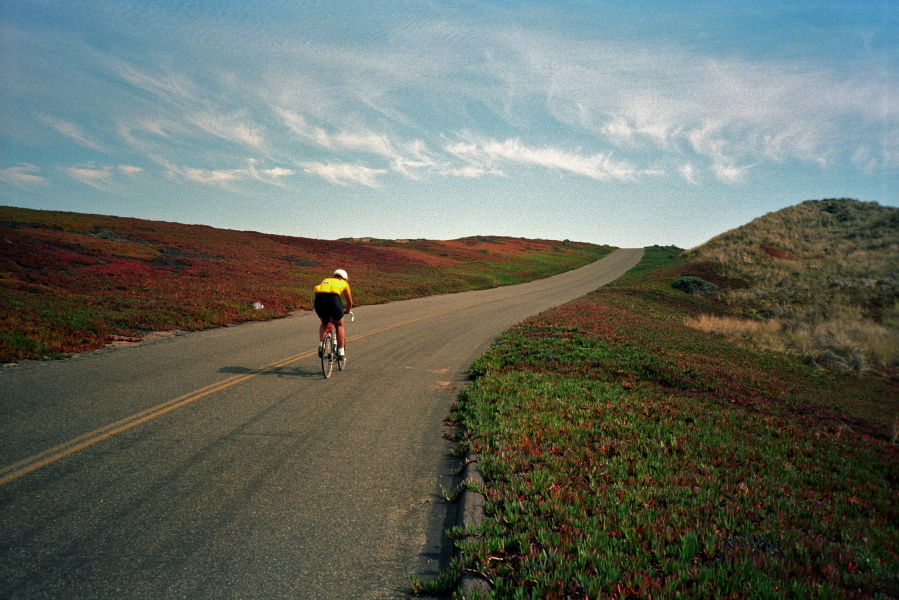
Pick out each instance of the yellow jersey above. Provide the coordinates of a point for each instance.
(332, 285)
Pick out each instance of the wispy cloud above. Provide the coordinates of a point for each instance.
(410, 158)
(99, 177)
(635, 105)
(345, 173)
(646, 103)
(688, 172)
(24, 175)
(236, 127)
(600, 166)
(72, 131)
(206, 176)
(130, 169)
(171, 87)
(224, 177)
(730, 112)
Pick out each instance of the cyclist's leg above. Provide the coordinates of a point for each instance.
(322, 310)
(341, 334)
(325, 352)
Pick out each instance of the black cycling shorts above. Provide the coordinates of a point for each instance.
(329, 307)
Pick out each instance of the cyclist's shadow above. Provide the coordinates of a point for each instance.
(276, 371)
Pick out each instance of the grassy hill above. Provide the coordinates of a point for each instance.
(629, 454)
(819, 280)
(74, 282)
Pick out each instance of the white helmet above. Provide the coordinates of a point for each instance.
(342, 274)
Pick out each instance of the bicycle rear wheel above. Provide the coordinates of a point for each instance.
(328, 355)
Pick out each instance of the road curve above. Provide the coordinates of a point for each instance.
(221, 464)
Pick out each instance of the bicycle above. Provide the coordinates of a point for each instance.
(329, 350)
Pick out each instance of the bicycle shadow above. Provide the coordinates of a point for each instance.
(276, 371)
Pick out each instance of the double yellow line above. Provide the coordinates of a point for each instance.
(32, 463)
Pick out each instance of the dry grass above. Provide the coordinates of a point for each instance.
(820, 279)
(841, 345)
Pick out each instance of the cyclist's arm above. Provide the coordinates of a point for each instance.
(349, 301)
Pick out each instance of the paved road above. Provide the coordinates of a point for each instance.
(222, 465)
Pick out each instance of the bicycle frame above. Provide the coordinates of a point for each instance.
(332, 354)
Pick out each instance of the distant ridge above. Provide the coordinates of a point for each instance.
(71, 282)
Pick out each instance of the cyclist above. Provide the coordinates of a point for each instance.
(329, 307)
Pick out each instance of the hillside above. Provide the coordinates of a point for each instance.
(73, 282)
(625, 455)
(819, 280)
(628, 450)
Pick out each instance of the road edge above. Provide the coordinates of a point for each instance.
(470, 513)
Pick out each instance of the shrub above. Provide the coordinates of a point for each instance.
(694, 285)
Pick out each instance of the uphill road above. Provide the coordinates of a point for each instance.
(221, 464)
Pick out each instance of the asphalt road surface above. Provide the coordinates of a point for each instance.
(221, 464)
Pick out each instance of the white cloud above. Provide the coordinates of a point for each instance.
(353, 112)
(730, 173)
(652, 97)
(72, 131)
(225, 177)
(23, 175)
(345, 174)
(277, 172)
(175, 89)
(235, 127)
(654, 103)
(471, 172)
(175, 112)
(600, 166)
(102, 177)
(271, 176)
(688, 172)
(409, 158)
(98, 177)
(206, 176)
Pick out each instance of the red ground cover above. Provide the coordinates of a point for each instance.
(71, 282)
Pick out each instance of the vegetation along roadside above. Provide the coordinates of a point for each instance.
(72, 282)
(628, 455)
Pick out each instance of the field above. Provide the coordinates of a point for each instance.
(721, 423)
(629, 455)
(73, 282)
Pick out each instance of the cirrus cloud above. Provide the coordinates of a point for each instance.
(225, 177)
(23, 175)
(345, 173)
(72, 131)
(600, 166)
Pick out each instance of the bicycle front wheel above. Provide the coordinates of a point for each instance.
(328, 355)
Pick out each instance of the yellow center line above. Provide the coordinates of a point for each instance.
(32, 463)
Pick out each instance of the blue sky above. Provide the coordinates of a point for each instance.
(626, 123)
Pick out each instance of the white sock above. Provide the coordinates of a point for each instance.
(341, 352)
